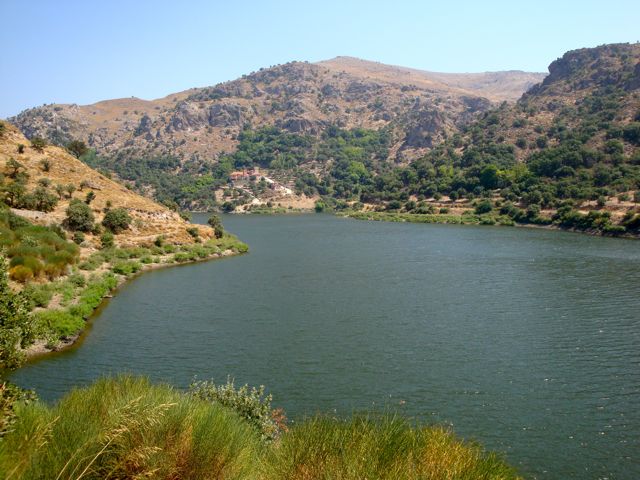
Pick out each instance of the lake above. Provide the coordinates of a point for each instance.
(525, 340)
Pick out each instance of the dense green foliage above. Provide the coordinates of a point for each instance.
(116, 220)
(16, 327)
(355, 155)
(127, 428)
(79, 216)
(173, 183)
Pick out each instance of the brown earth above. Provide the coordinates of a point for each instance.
(149, 218)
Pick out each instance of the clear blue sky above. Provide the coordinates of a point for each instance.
(68, 51)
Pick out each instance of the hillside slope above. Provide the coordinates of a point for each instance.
(421, 108)
(52, 166)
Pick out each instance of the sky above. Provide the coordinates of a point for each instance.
(65, 51)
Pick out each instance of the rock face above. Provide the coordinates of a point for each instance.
(420, 108)
(588, 68)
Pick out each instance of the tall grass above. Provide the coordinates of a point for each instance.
(378, 447)
(126, 428)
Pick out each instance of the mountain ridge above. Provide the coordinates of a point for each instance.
(298, 96)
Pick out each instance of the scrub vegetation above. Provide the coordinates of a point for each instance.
(127, 428)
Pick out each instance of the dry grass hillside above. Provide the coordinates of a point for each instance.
(496, 86)
(149, 218)
(421, 108)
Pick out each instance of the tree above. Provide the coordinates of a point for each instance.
(89, 198)
(77, 148)
(13, 193)
(215, 223)
(15, 166)
(16, 326)
(59, 188)
(116, 220)
(490, 177)
(79, 216)
(44, 201)
(38, 143)
(70, 188)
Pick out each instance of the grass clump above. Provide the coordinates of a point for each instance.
(380, 447)
(127, 428)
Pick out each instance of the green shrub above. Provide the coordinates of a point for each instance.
(194, 232)
(38, 143)
(116, 220)
(126, 268)
(78, 238)
(106, 240)
(250, 403)
(16, 326)
(79, 216)
(484, 206)
(38, 295)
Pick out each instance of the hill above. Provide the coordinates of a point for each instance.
(372, 137)
(50, 167)
(567, 153)
(496, 86)
(299, 97)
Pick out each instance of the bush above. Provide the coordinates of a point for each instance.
(116, 220)
(106, 240)
(79, 216)
(78, 237)
(38, 143)
(38, 295)
(194, 232)
(60, 322)
(484, 206)
(215, 223)
(126, 268)
(77, 148)
(250, 403)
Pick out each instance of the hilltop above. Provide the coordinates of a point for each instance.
(421, 108)
(361, 135)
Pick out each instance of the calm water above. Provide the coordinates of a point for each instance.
(526, 340)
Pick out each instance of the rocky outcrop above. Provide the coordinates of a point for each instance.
(225, 115)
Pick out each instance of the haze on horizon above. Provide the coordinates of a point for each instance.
(81, 52)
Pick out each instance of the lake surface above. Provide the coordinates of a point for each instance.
(525, 340)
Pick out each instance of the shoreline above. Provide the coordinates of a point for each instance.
(39, 348)
(448, 219)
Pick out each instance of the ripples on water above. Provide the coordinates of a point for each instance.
(526, 340)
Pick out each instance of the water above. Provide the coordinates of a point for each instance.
(525, 340)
